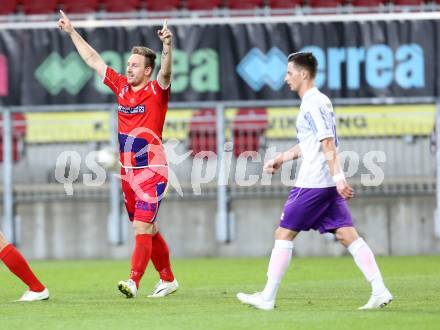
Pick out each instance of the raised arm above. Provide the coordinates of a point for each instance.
(274, 164)
(87, 53)
(329, 149)
(164, 74)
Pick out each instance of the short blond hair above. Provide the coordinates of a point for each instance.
(147, 53)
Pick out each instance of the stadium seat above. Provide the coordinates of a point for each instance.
(161, 5)
(79, 6)
(18, 134)
(284, 4)
(248, 127)
(408, 2)
(203, 4)
(367, 3)
(325, 3)
(244, 4)
(202, 132)
(119, 6)
(34, 7)
(8, 7)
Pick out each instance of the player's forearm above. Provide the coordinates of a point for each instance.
(87, 53)
(291, 154)
(166, 63)
(329, 149)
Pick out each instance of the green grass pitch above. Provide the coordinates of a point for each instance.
(317, 293)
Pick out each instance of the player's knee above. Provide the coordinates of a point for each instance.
(3, 241)
(346, 237)
(340, 237)
(141, 227)
(284, 234)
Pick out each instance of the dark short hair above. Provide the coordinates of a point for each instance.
(147, 53)
(305, 60)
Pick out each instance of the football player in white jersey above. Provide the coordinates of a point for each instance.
(318, 200)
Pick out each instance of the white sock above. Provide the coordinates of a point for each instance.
(279, 262)
(364, 258)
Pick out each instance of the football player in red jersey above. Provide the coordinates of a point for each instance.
(18, 265)
(142, 105)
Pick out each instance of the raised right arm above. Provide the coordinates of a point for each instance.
(87, 53)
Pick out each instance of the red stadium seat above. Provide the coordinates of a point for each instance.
(408, 2)
(203, 4)
(31, 7)
(281, 4)
(244, 4)
(79, 6)
(325, 3)
(18, 134)
(367, 3)
(161, 5)
(120, 6)
(248, 127)
(8, 7)
(202, 132)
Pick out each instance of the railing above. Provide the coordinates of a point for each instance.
(375, 142)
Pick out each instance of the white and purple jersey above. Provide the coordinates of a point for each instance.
(315, 122)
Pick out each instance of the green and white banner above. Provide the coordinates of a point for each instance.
(228, 61)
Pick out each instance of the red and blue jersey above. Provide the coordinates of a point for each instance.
(141, 116)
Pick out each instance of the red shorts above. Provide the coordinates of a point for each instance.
(143, 190)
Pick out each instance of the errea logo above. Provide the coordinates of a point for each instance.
(259, 69)
(57, 73)
(377, 66)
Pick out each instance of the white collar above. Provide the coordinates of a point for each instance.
(310, 92)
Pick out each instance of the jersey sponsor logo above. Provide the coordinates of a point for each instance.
(131, 110)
